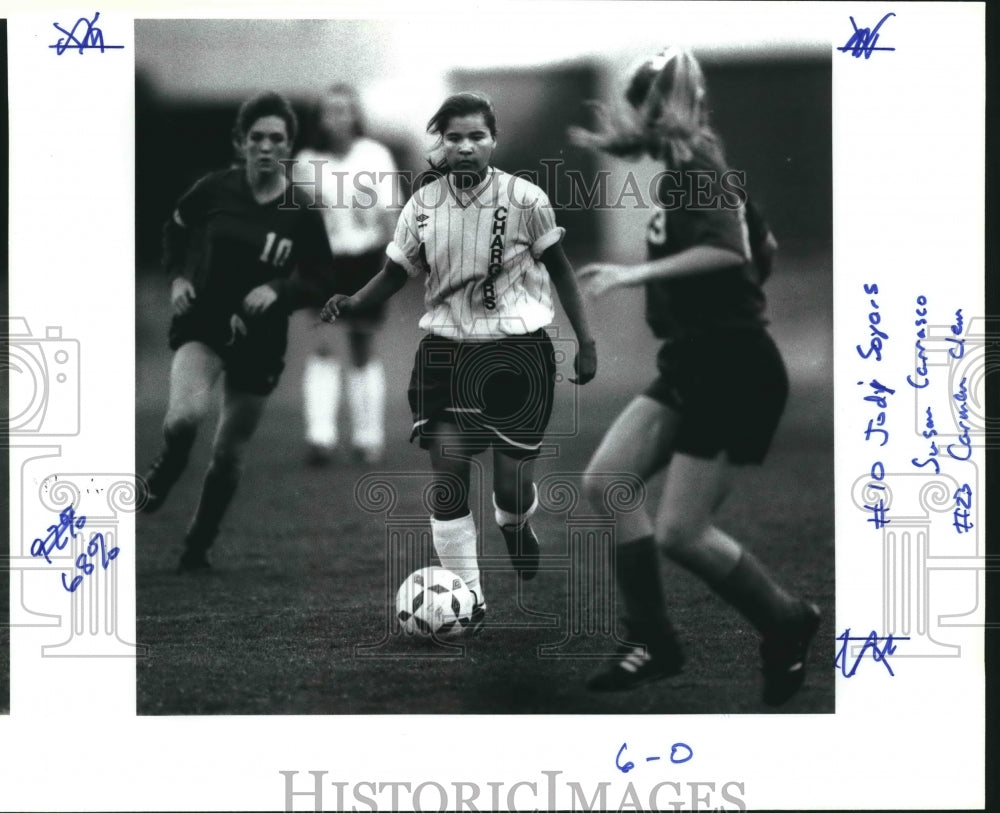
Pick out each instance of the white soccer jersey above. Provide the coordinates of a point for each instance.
(355, 189)
(480, 250)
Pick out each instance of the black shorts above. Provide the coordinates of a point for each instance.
(730, 391)
(498, 393)
(353, 272)
(253, 363)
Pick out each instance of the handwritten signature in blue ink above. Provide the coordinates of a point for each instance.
(880, 654)
(680, 752)
(92, 37)
(60, 534)
(862, 41)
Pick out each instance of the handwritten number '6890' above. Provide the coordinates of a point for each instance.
(83, 562)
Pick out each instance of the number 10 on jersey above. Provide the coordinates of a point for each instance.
(280, 252)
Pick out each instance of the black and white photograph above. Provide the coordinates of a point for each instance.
(585, 412)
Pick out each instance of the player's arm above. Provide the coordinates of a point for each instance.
(311, 280)
(178, 240)
(381, 287)
(564, 280)
(390, 195)
(302, 289)
(403, 260)
(546, 245)
(601, 277)
(706, 241)
(763, 244)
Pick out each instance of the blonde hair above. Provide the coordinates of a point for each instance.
(666, 117)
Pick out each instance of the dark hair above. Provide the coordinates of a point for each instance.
(466, 103)
(265, 104)
(317, 136)
(463, 104)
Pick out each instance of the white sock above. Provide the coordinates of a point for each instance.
(375, 394)
(321, 399)
(455, 544)
(510, 521)
(366, 400)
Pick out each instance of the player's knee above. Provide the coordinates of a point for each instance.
(515, 497)
(448, 498)
(678, 539)
(361, 354)
(180, 427)
(594, 489)
(227, 462)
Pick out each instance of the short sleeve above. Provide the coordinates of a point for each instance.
(187, 217)
(193, 205)
(542, 229)
(405, 247)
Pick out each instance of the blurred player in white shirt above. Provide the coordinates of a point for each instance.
(488, 248)
(355, 179)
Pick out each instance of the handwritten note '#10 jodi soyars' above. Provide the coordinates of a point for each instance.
(878, 428)
(61, 534)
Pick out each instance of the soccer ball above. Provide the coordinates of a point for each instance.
(434, 602)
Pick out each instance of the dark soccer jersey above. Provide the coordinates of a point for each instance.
(227, 244)
(693, 209)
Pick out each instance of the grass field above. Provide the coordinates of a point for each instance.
(294, 620)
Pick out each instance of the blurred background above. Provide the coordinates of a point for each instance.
(302, 561)
(771, 102)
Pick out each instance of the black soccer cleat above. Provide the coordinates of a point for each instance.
(477, 617)
(784, 655)
(162, 474)
(193, 561)
(196, 545)
(636, 665)
(522, 546)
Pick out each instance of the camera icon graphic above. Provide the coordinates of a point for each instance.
(44, 376)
